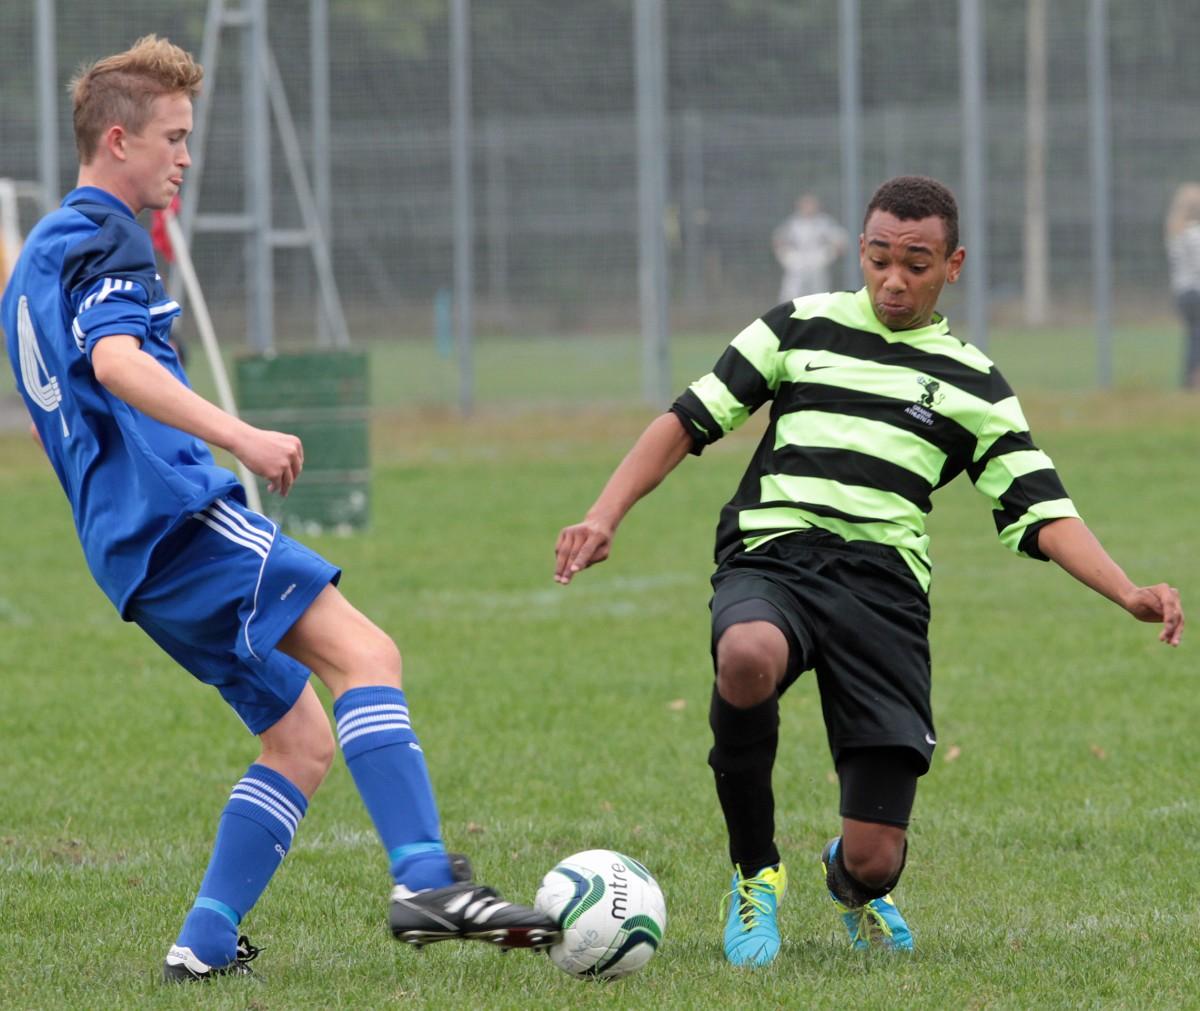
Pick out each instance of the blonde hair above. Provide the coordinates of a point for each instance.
(1185, 209)
(122, 89)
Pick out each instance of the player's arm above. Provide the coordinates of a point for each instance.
(657, 452)
(135, 377)
(1070, 544)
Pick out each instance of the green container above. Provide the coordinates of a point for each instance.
(321, 397)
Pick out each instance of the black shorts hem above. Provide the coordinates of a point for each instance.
(923, 750)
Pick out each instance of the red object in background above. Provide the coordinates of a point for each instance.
(158, 230)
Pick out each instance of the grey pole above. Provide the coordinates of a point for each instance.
(693, 213)
(260, 295)
(190, 198)
(313, 234)
(652, 197)
(319, 83)
(1036, 239)
(850, 125)
(460, 173)
(1101, 165)
(498, 218)
(971, 63)
(47, 71)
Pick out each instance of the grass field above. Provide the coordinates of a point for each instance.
(1053, 855)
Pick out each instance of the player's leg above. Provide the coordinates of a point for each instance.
(361, 666)
(874, 674)
(756, 654)
(254, 834)
(434, 898)
(863, 866)
(751, 661)
(222, 590)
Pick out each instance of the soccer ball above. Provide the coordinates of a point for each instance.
(611, 912)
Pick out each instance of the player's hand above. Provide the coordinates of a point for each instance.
(277, 456)
(1158, 603)
(579, 546)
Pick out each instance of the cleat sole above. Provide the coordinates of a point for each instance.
(504, 938)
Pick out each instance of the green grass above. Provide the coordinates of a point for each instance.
(558, 371)
(1052, 861)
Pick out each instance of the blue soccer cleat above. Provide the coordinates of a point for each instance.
(877, 924)
(751, 929)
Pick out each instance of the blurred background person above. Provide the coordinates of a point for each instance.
(806, 244)
(1183, 255)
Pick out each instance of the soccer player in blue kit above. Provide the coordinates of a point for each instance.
(169, 539)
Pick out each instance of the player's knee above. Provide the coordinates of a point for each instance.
(383, 661)
(316, 756)
(876, 864)
(372, 660)
(321, 750)
(304, 754)
(751, 653)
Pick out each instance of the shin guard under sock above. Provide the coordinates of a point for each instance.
(742, 759)
(389, 770)
(253, 836)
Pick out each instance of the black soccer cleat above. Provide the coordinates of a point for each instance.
(182, 966)
(467, 911)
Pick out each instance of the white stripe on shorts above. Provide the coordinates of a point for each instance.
(219, 510)
(229, 535)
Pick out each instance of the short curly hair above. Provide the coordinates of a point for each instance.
(122, 89)
(911, 198)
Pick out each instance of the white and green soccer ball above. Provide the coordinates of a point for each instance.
(611, 912)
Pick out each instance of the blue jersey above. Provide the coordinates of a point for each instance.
(87, 271)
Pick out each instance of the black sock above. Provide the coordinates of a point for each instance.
(742, 758)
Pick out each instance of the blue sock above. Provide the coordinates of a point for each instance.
(253, 836)
(389, 770)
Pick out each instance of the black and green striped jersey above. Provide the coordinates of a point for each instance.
(865, 424)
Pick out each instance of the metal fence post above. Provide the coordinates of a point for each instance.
(1101, 164)
(850, 126)
(464, 225)
(652, 188)
(972, 63)
(47, 93)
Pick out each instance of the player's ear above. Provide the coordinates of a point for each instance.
(954, 264)
(115, 140)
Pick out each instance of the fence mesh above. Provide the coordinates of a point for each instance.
(752, 94)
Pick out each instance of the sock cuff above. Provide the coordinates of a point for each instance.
(743, 727)
(270, 799)
(216, 906)
(370, 718)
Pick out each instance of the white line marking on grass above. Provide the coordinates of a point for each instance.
(616, 597)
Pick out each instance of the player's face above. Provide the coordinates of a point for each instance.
(156, 157)
(905, 264)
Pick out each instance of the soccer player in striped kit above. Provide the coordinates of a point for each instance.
(821, 553)
(168, 537)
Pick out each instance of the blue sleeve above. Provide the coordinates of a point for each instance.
(107, 279)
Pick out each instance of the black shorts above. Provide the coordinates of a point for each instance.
(855, 613)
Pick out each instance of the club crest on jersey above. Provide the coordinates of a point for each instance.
(922, 409)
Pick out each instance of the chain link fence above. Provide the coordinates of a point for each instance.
(753, 120)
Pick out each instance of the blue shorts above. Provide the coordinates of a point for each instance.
(221, 593)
